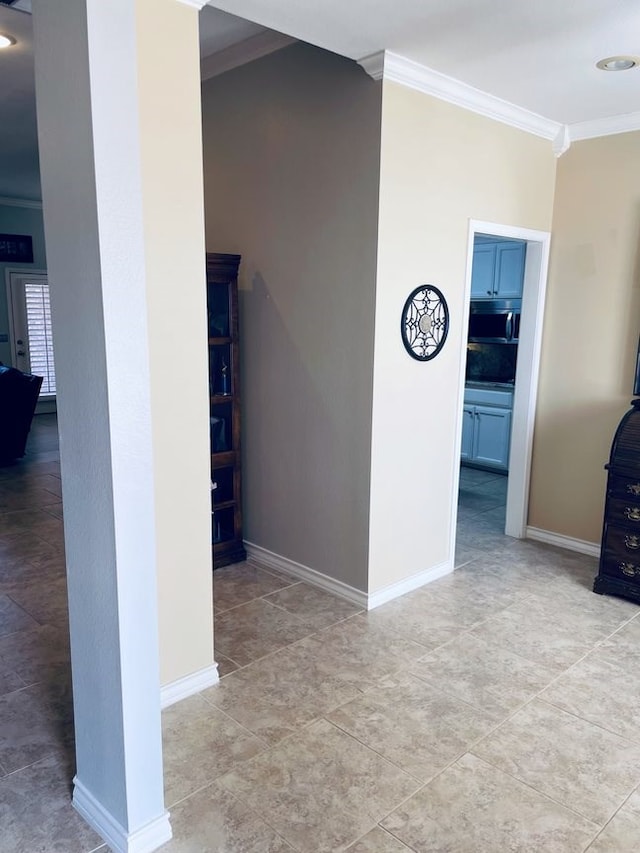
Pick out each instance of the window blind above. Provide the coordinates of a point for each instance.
(38, 311)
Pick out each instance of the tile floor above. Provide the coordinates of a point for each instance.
(497, 709)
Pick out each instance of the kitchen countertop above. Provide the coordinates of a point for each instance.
(506, 386)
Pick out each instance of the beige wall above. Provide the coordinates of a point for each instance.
(440, 167)
(292, 146)
(591, 332)
(171, 149)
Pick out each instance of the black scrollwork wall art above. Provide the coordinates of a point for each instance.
(425, 322)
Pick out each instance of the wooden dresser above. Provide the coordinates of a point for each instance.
(619, 572)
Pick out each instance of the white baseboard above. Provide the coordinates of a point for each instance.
(188, 685)
(592, 549)
(144, 840)
(395, 590)
(257, 554)
(269, 560)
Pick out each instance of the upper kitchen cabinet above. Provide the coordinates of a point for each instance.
(498, 270)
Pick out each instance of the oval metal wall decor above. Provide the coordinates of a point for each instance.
(425, 322)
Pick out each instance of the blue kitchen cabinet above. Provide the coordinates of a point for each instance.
(492, 436)
(498, 270)
(468, 422)
(486, 427)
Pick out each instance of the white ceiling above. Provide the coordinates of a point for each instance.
(539, 56)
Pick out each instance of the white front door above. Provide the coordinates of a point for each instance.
(30, 327)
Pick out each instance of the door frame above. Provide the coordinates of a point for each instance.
(527, 371)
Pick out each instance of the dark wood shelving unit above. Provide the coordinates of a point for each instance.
(225, 413)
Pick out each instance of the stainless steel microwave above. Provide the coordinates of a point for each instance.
(495, 321)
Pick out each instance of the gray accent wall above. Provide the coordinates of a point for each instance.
(292, 164)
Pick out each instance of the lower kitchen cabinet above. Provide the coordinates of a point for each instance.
(486, 436)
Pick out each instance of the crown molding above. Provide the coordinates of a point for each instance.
(604, 126)
(20, 202)
(397, 69)
(195, 4)
(262, 44)
(562, 141)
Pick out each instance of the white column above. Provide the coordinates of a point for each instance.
(88, 99)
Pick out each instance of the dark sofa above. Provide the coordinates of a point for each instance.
(18, 397)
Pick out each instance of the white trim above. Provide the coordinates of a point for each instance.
(255, 47)
(257, 554)
(368, 601)
(187, 686)
(395, 590)
(562, 141)
(20, 202)
(143, 840)
(604, 126)
(592, 549)
(195, 4)
(390, 66)
(528, 368)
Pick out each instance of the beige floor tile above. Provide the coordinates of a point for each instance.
(36, 815)
(55, 509)
(474, 808)
(10, 681)
(317, 608)
(413, 725)
(200, 743)
(46, 602)
(277, 696)
(20, 573)
(543, 632)
(479, 589)
(622, 833)
(242, 582)
(21, 499)
(490, 678)
(256, 629)
(13, 522)
(225, 664)
(321, 790)
(602, 690)
(360, 651)
(425, 618)
(13, 618)
(624, 645)
(35, 654)
(33, 726)
(378, 841)
(576, 763)
(214, 820)
(465, 554)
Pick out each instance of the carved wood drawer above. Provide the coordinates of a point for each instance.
(625, 486)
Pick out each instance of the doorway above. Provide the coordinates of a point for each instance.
(30, 332)
(526, 375)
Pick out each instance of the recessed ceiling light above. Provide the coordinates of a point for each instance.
(6, 41)
(618, 63)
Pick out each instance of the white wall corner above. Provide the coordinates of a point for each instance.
(562, 141)
(269, 560)
(187, 686)
(255, 47)
(374, 64)
(144, 840)
(368, 601)
(395, 590)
